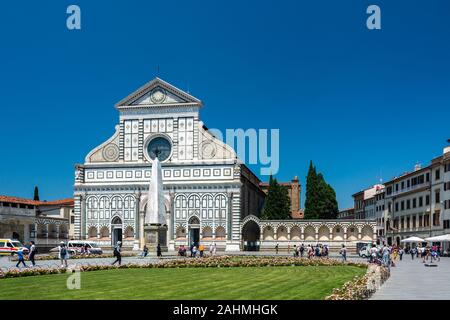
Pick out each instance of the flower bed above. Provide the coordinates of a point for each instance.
(361, 288)
(210, 262)
(78, 256)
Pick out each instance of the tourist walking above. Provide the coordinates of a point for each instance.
(386, 257)
(276, 248)
(343, 253)
(214, 249)
(413, 253)
(310, 251)
(394, 253)
(32, 253)
(302, 250)
(86, 248)
(424, 254)
(158, 251)
(20, 258)
(117, 253)
(191, 249)
(435, 254)
(295, 251)
(373, 253)
(211, 249)
(400, 253)
(201, 248)
(63, 254)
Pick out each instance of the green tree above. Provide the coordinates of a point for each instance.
(311, 197)
(320, 201)
(36, 193)
(277, 204)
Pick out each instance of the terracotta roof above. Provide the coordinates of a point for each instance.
(31, 202)
(67, 202)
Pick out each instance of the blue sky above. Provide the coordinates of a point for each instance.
(361, 104)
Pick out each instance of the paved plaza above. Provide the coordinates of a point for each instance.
(412, 280)
(6, 263)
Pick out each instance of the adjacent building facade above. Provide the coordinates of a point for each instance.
(416, 203)
(45, 222)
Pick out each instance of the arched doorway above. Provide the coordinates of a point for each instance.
(194, 230)
(251, 235)
(116, 227)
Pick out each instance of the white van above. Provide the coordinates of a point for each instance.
(76, 247)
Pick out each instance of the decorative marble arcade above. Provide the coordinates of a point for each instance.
(289, 232)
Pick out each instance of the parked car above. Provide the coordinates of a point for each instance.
(364, 252)
(76, 247)
(9, 247)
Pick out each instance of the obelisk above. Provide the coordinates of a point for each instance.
(155, 224)
(156, 212)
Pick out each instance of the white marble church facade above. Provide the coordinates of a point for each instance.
(208, 191)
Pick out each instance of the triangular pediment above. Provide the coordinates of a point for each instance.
(157, 92)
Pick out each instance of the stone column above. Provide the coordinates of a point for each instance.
(137, 223)
(83, 217)
(141, 229)
(171, 233)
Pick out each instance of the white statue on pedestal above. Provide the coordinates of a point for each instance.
(156, 210)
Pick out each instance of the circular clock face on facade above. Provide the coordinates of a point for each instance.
(160, 147)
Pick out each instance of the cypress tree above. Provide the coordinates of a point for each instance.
(277, 204)
(311, 197)
(36, 194)
(320, 201)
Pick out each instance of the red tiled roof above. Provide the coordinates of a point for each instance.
(68, 202)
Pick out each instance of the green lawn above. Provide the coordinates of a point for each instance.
(186, 283)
